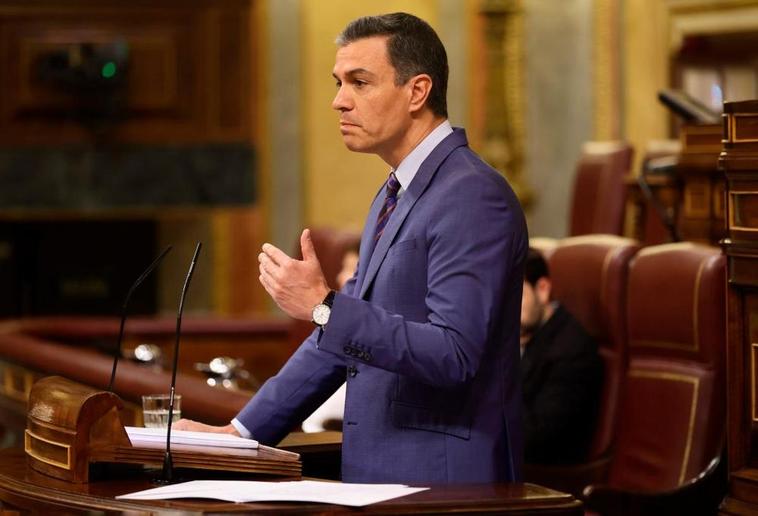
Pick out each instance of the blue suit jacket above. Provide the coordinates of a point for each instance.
(426, 336)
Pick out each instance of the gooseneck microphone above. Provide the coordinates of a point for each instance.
(117, 350)
(168, 463)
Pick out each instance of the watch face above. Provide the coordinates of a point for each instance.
(321, 314)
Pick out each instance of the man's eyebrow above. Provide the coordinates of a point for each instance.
(354, 72)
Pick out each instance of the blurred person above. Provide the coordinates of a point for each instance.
(561, 374)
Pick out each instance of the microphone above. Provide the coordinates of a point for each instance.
(117, 350)
(168, 463)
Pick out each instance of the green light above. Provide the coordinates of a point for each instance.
(108, 70)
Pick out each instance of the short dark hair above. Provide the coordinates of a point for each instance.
(535, 267)
(413, 47)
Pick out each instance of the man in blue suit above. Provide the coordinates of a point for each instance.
(426, 333)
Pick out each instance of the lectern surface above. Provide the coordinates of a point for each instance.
(22, 488)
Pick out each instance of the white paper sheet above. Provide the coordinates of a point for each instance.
(158, 435)
(240, 491)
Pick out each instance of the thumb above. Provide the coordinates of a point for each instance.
(306, 246)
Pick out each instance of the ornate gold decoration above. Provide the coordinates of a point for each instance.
(504, 124)
(606, 70)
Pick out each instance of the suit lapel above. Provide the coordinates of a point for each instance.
(418, 185)
(367, 238)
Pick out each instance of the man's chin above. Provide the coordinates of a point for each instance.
(355, 146)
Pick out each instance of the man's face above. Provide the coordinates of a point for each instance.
(374, 112)
(532, 310)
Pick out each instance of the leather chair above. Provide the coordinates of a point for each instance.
(599, 195)
(589, 277)
(672, 411)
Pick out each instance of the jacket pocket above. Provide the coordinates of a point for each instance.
(406, 415)
(402, 246)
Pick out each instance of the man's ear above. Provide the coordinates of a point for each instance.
(542, 290)
(420, 88)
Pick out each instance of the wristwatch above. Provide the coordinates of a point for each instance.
(322, 311)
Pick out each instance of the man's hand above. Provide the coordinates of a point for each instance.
(296, 286)
(194, 426)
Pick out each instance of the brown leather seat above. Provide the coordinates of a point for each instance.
(589, 276)
(672, 413)
(599, 195)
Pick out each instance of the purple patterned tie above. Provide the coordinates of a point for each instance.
(393, 186)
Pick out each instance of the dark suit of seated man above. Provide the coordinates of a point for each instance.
(561, 374)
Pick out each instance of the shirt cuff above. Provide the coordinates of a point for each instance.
(244, 432)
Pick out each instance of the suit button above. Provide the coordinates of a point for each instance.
(367, 356)
(352, 371)
(347, 350)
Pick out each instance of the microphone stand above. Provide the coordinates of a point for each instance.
(117, 350)
(168, 462)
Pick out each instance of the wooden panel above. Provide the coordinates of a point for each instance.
(739, 162)
(745, 127)
(743, 211)
(751, 323)
(187, 79)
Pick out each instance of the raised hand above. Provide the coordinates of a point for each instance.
(295, 285)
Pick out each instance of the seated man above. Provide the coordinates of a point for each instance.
(561, 374)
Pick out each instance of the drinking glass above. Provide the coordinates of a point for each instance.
(155, 409)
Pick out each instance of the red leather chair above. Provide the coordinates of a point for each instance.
(599, 196)
(672, 412)
(589, 277)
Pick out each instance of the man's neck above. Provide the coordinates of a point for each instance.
(418, 130)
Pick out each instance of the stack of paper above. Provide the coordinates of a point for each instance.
(241, 491)
(139, 435)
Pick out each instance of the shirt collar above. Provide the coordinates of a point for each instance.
(407, 168)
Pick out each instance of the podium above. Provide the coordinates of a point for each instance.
(71, 426)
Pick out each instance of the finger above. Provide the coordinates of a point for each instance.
(267, 264)
(267, 273)
(276, 255)
(306, 246)
(267, 283)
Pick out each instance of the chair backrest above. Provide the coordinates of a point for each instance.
(588, 275)
(672, 413)
(599, 196)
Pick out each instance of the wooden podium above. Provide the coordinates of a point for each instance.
(739, 161)
(70, 427)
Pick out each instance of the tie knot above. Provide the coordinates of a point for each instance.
(393, 185)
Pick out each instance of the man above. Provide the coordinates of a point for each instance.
(561, 371)
(426, 333)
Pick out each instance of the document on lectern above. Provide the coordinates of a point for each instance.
(139, 435)
(242, 491)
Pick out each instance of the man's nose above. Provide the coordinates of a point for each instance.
(341, 100)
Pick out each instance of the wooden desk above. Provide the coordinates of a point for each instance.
(23, 489)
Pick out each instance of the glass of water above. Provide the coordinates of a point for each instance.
(155, 409)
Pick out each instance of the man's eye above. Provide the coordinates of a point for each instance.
(338, 84)
(360, 84)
